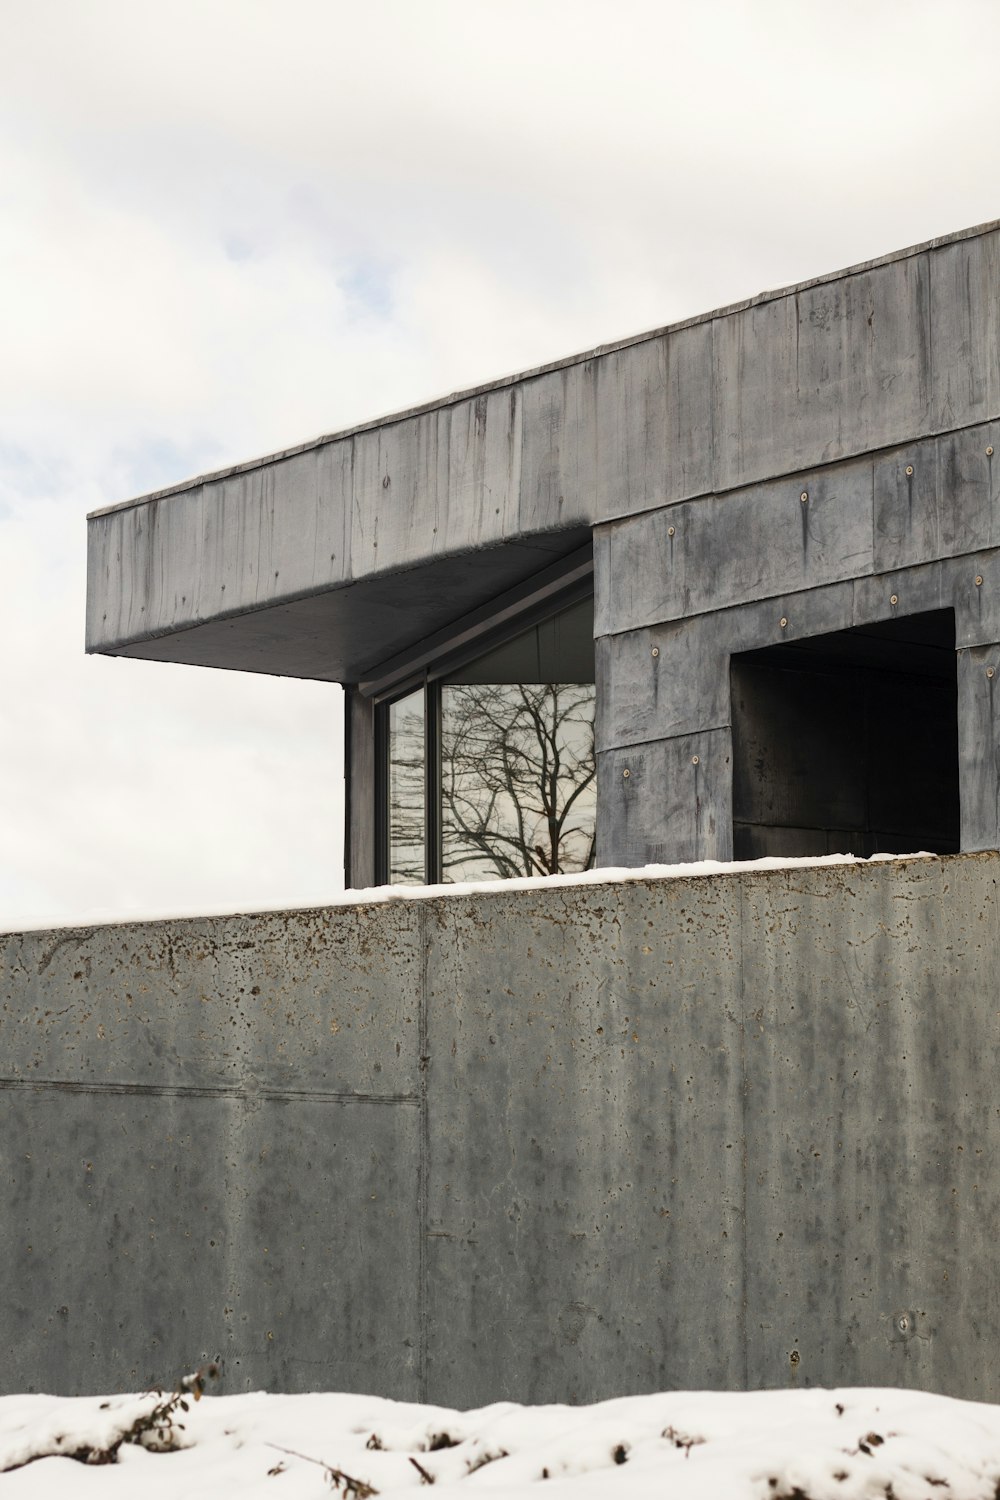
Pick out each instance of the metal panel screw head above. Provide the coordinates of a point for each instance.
(696, 760)
(655, 651)
(804, 497)
(783, 621)
(671, 530)
(991, 671)
(979, 580)
(893, 598)
(909, 471)
(626, 773)
(989, 451)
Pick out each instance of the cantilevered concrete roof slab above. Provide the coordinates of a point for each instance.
(328, 559)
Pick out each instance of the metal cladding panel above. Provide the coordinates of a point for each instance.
(584, 1111)
(979, 735)
(443, 482)
(822, 373)
(706, 555)
(559, 452)
(632, 440)
(667, 802)
(965, 313)
(673, 679)
(938, 498)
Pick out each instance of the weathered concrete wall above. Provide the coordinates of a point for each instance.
(550, 1144)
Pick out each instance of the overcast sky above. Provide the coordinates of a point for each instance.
(229, 225)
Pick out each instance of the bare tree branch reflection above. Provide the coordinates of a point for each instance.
(518, 779)
(406, 791)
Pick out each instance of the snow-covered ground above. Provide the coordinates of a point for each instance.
(768, 1445)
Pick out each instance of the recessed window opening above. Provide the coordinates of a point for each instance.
(488, 768)
(847, 743)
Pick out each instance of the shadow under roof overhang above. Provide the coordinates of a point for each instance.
(346, 634)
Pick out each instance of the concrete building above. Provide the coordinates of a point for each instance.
(561, 1143)
(788, 510)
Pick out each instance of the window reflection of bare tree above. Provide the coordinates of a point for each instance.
(406, 792)
(518, 779)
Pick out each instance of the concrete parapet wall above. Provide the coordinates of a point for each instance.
(723, 1131)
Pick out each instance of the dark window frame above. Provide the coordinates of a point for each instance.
(426, 667)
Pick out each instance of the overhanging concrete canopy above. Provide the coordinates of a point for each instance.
(323, 560)
(340, 635)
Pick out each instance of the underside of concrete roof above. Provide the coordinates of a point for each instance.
(327, 560)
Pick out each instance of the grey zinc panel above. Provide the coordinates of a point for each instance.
(690, 411)
(225, 546)
(684, 688)
(977, 606)
(400, 493)
(631, 439)
(674, 804)
(484, 459)
(753, 355)
(795, 377)
(978, 739)
(585, 1148)
(732, 549)
(443, 481)
(559, 458)
(871, 1207)
(937, 498)
(274, 533)
(965, 282)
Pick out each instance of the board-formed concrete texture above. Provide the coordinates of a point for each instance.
(713, 1132)
(817, 458)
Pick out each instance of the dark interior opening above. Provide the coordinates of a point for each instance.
(848, 743)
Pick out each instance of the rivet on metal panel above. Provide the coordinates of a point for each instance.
(783, 621)
(909, 471)
(804, 497)
(626, 773)
(991, 671)
(671, 530)
(695, 760)
(893, 598)
(979, 580)
(655, 651)
(989, 451)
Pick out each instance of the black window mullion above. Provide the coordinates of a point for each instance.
(381, 794)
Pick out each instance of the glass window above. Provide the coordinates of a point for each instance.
(406, 790)
(517, 779)
(490, 767)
